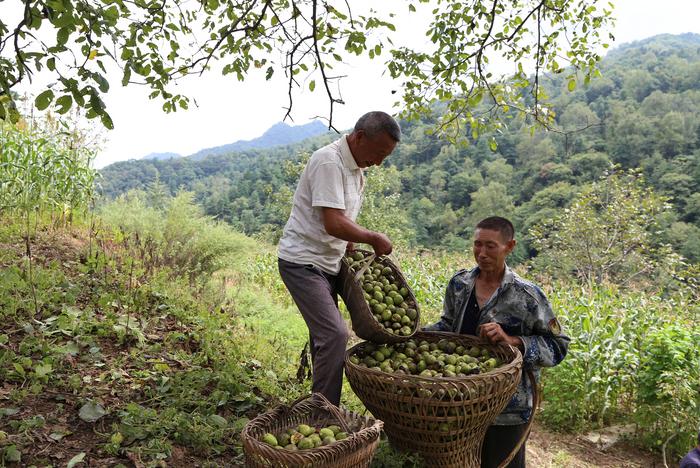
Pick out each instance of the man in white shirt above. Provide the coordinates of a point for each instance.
(321, 227)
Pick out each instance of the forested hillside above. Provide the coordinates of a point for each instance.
(641, 113)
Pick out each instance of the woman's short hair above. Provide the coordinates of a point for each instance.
(496, 223)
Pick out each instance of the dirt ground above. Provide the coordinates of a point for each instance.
(547, 449)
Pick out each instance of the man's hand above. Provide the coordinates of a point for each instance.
(350, 247)
(338, 225)
(493, 333)
(381, 244)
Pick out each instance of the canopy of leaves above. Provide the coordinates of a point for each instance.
(156, 43)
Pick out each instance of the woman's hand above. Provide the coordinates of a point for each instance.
(493, 333)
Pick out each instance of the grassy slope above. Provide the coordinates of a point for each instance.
(175, 373)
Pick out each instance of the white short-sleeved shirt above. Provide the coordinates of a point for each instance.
(330, 179)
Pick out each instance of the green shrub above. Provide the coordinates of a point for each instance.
(594, 384)
(178, 237)
(668, 388)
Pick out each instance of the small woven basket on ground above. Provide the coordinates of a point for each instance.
(443, 419)
(364, 324)
(315, 410)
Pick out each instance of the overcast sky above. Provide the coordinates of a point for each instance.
(229, 110)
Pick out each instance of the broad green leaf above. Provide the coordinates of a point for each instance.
(107, 121)
(12, 455)
(42, 370)
(91, 412)
(43, 100)
(220, 421)
(19, 369)
(62, 36)
(75, 460)
(64, 103)
(571, 85)
(312, 85)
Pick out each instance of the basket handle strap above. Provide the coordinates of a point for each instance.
(528, 428)
(333, 409)
(367, 262)
(325, 404)
(286, 409)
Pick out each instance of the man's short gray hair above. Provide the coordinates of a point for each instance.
(375, 122)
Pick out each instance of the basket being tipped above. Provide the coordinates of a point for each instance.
(382, 306)
(442, 418)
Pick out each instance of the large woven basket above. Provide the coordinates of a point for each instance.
(355, 451)
(364, 324)
(443, 419)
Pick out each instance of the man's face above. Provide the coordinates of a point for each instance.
(491, 250)
(371, 151)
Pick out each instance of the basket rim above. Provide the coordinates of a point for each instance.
(516, 362)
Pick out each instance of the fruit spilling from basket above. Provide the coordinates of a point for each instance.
(444, 358)
(304, 437)
(388, 298)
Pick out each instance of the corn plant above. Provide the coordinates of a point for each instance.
(42, 171)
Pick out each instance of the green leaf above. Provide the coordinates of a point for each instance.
(42, 370)
(12, 455)
(91, 412)
(107, 121)
(219, 421)
(19, 369)
(493, 145)
(43, 100)
(62, 36)
(312, 85)
(64, 103)
(572, 84)
(75, 460)
(56, 436)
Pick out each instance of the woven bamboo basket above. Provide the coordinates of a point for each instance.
(364, 324)
(443, 419)
(356, 450)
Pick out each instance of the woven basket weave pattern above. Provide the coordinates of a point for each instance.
(355, 451)
(363, 322)
(444, 419)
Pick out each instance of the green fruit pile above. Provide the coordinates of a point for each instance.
(304, 437)
(386, 295)
(444, 358)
